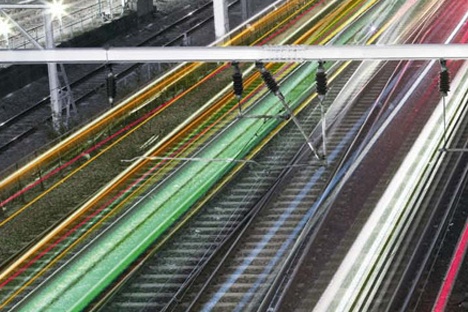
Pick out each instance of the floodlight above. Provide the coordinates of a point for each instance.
(4, 28)
(57, 9)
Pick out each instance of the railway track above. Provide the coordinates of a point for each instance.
(171, 270)
(30, 238)
(48, 263)
(412, 279)
(34, 202)
(30, 120)
(243, 278)
(14, 247)
(347, 213)
(415, 277)
(47, 272)
(164, 276)
(80, 14)
(10, 248)
(167, 275)
(253, 274)
(311, 279)
(82, 220)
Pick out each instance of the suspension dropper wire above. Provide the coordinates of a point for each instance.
(324, 126)
(298, 124)
(444, 147)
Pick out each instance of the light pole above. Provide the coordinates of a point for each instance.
(54, 84)
(100, 8)
(50, 11)
(245, 4)
(221, 19)
(5, 31)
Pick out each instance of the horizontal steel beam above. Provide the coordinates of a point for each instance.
(25, 6)
(243, 54)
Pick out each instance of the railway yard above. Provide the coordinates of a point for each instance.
(183, 196)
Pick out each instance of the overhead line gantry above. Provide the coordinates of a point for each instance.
(214, 54)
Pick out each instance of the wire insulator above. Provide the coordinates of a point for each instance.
(237, 81)
(238, 84)
(111, 85)
(444, 82)
(321, 80)
(267, 78)
(270, 82)
(260, 65)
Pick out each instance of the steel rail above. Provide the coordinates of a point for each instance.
(234, 240)
(232, 246)
(224, 303)
(194, 210)
(422, 191)
(125, 72)
(246, 126)
(87, 207)
(87, 162)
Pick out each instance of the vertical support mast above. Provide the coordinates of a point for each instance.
(109, 4)
(221, 19)
(54, 84)
(245, 4)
